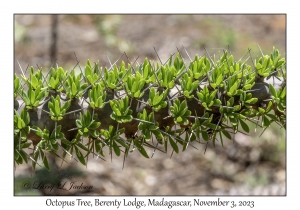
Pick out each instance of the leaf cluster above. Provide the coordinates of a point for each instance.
(176, 103)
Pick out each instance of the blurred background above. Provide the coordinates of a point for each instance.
(246, 165)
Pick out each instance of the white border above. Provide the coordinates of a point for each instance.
(153, 6)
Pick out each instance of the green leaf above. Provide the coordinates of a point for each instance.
(179, 119)
(92, 104)
(83, 87)
(66, 105)
(35, 157)
(182, 108)
(56, 130)
(123, 143)
(251, 101)
(116, 148)
(219, 79)
(19, 160)
(233, 120)
(269, 106)
(79, 155)
(82, 147)
(205, 135)
(258, 66)
(157, 134)
(237, 108)
(55, 146)
(280, 107)
(34, 81)
(24, 156)
(226, 134)
(185, 121)
(173, 145)
(16, 82)
(273, 91)
(26, 145)
(94, 125)
(21, 123)
(247, 87)
(23, 135)
(283, 93)
(171, 85)
(230, 102)
(233, 88)
(186, 94)
(273, 117)
(65, 141)
(25, 116)
(94, 133)
(88, 71)
(261, 111)
(244, 126)
(74, 89)
(213, 85)
(142, 151)
(152, 94)
(137, 94)
(217, 102)
(16, 154)
(204, 105)
(200, 96)
(266, 121)
(45, 161)
(57, 107)
(32, 96)
(52, 83)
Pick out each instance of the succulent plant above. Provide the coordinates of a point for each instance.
(151, 105)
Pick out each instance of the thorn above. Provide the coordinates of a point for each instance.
(26, 68)
(50, 69)
(154, 150)
(260, 50)
(108, 60)
(256, 124)
(115, 62)
(209, 57)
(263, 132)
(205, 148)
(131, 65)
(124, 159)
(21, 69)
(80, 68)
(72, 129)
(157, 55)
(187, 53)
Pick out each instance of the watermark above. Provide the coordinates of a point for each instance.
(40, 185)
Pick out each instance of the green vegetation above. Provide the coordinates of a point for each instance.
(129, 107)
